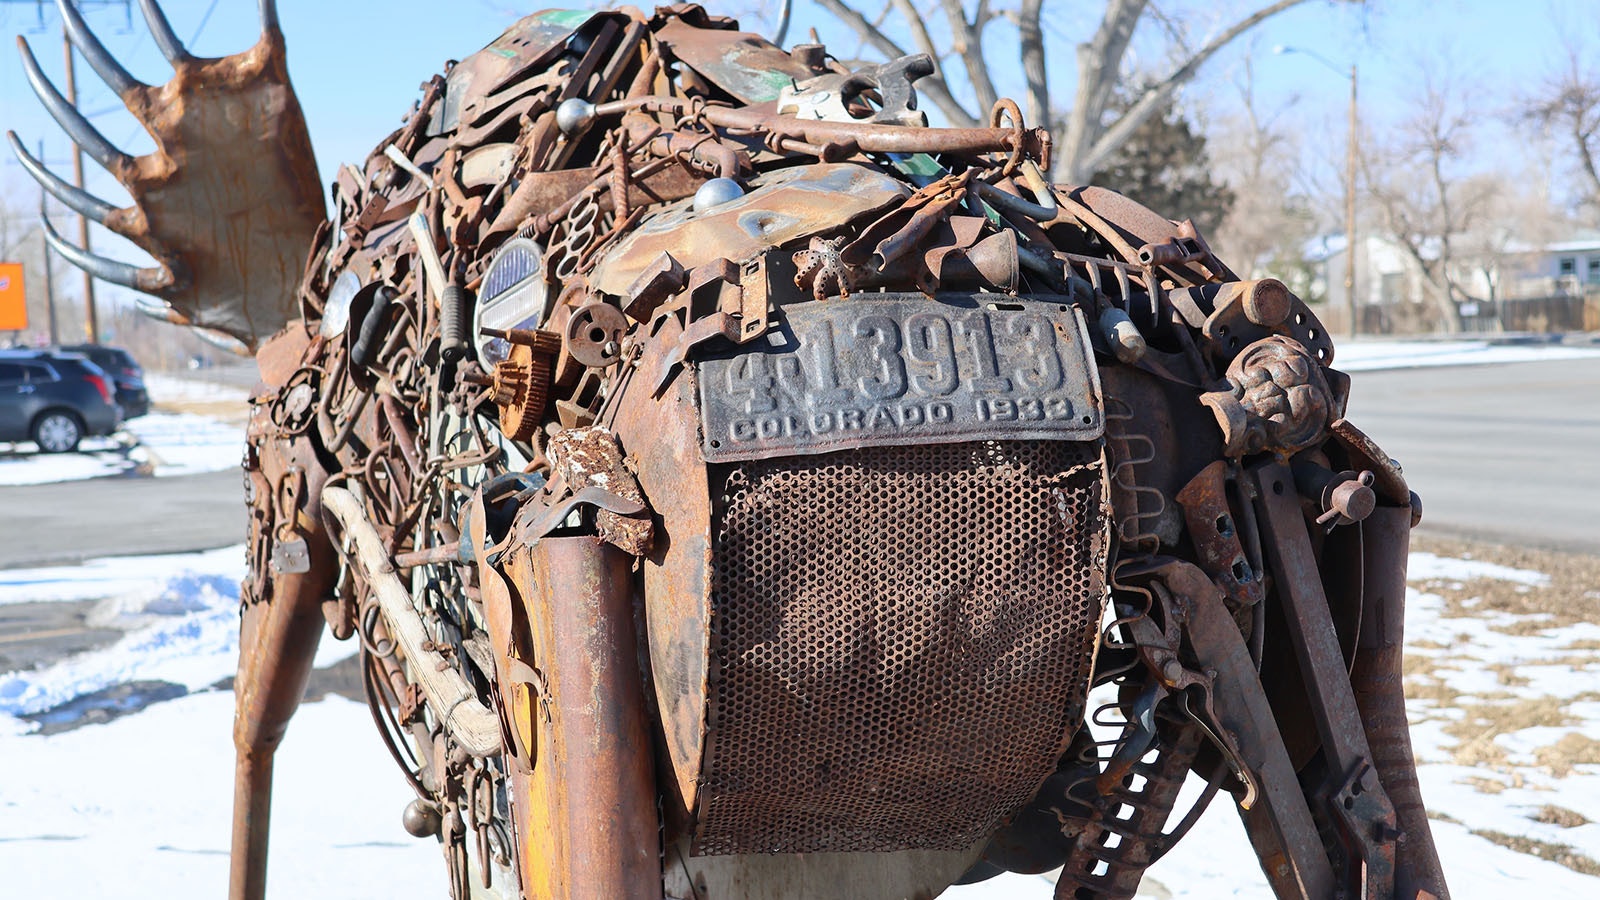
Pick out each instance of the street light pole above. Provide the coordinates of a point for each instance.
(1350, 248)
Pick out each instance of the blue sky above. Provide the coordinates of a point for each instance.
(357, 66)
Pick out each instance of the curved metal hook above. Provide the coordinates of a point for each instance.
(161, 31)
(77, 199)
(269, 15)
(782, 31)
(109, 270)
(99, 59)
(67, 116)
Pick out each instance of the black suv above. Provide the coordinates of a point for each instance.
(120, 365)
(54, 399)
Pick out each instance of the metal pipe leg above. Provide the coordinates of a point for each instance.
(277, 642)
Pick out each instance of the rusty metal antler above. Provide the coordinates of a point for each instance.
(228, 201)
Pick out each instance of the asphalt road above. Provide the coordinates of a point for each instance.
(77, 520)
(1503, 453)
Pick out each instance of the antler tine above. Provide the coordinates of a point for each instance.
(223, 341)
(67, 116)
(269, 15)
(101, 60)
(77, 199)
(159, 310)
(148, 280)
(161, 31)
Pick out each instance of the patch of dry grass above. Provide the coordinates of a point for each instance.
(1487, 719)
(1573, 749)
(1567, 599)
(1561, 854)
(1484, 785)
(1551, 814)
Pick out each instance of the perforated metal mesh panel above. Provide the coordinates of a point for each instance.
(901, 641)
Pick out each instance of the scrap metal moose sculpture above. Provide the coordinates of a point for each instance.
(739, 488)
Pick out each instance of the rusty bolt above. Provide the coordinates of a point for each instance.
(1171, 670)
(1267, 303)
(1353, 500)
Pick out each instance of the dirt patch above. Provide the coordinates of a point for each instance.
(1482, 722)
(1567, 599)
(1551, 814)
(1573, 749)
(1562, 854)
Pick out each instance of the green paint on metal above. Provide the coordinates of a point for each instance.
(768, 84)
(569, 18)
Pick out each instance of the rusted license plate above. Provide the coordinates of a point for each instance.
(883, 369)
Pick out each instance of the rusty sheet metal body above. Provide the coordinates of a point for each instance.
(742, 503)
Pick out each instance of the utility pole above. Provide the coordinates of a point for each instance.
(49, 279)
(1350, 214)
(90, 325)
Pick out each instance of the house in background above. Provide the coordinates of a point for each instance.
(1519, 286)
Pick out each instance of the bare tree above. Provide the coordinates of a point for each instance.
(1271, 222)
(1567, 108)
(1434, 210)
(1086, 135)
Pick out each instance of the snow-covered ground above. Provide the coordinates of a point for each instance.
(198, 428)
(1507, 730)
(1369, 355)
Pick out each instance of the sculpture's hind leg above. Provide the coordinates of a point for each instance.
(293, 569)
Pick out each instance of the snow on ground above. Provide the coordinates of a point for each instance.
(199, 428)
(1364, 356)
(141, 808)
(1508, 738)
(180, 613)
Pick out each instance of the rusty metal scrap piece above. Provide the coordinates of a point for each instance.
(1378, 681)
(1216, 533)
(781, 207)
(1279, 823)
(838, 96)
(821, 271)
(522, 389)
(228, 236)
(1356, 801)
(882, 703)
(1277, 400)
(590, 457)
(470, 723)
(592, 830)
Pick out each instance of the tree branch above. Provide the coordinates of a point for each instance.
(932, 87)
(968, 39)
(1083, 165)
(1099, 64)
(1031, 36)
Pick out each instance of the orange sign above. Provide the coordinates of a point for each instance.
(13, 300)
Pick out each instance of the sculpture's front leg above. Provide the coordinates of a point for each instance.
(293, 568)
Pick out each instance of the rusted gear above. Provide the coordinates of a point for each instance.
(821, 269)
(521, 390)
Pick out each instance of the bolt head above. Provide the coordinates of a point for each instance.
(574, 115)
(716, 192)
(420, 819)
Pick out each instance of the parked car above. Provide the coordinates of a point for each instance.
(124, 370)
(54, 399)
